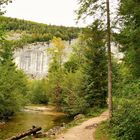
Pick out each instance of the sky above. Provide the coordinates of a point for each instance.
(54, 12)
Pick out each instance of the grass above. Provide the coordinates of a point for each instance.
(102, 132)
(94, 112)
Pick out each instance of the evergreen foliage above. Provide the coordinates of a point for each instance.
(81, 82)
(13, 83)
(95, 67)
(124, 124)
(130, 35)
(87, 67)
(42, 32)
(126, 118)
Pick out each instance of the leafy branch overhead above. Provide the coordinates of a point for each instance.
(92, 8)
(2, 5)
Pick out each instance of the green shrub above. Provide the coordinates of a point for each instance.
(126, 117)
(103, 132)
(73, 101)
(38, 92)
(13, 90)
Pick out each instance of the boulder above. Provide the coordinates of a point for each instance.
(79, 116)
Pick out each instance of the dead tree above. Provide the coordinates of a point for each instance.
(27, 133)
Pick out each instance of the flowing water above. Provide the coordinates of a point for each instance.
(38, 116)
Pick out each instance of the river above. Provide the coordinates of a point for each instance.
(43, 116)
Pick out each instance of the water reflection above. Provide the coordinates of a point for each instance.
(26, 119)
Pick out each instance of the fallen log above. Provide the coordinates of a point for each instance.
(27, 133)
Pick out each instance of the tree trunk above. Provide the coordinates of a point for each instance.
(27, 133)
(110, 103)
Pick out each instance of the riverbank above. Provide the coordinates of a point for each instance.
(54, 124)
(39, 115)
(82, 129)
(48, 110)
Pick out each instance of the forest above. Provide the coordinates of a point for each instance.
(39, 31)
(80, 85)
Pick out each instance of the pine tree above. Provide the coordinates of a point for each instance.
(95, 66)
(97, 9)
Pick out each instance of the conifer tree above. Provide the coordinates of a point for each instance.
(97, 9)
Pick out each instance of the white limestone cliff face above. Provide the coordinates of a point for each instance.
(34, 60)
(116, 52)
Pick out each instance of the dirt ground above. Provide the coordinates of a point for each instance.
(83, 131)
